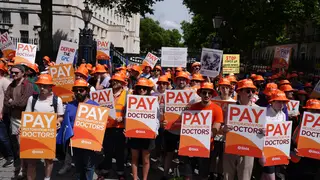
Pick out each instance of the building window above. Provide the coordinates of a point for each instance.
(24, 36)
(5, 17)
(24, 18)
(95, 14)
(25, 1)
(107, 21)
(104, 19)
(99, 17)
(111, 22)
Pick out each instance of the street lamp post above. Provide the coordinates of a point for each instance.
(217, 41)
(86, 43)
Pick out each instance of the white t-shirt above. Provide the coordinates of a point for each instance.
(45, 106)
(105, 83)
(273, 116)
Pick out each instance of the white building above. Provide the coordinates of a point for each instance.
(20, 18)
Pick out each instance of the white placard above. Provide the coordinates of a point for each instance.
(174, 57)
(211, 62)
(66, 53)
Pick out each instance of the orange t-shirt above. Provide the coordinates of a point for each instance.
(217, 114)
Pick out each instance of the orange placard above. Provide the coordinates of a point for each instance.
(63, 78)
(309, 141)
(89, 127)
(38, 135)
(246, 122)
(277, 142)
(195, 133)
(141, 116)
(282, 57)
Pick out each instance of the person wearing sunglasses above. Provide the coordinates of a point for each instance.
(15, 101)
(143, 88)
(84, 159)
(236, 165)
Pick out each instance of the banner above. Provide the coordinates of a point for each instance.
(211, 62)
(281, 57)
(244, 138)
(66, 53)
(7, 47)
(38, 135)
(63, 78)
(277, 143)
(150, 60)
(195, 133)
(177, 101)
(141, 116)
(103, 50)
(231, 64)
(316, 91)
(174, 57)
(89, 127)
(293, 107)
(105, 99)
(309, 141)
(25, 53)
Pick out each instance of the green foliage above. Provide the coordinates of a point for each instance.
(153, 36)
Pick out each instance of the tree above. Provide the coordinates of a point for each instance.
(46, 42)
(153, 36)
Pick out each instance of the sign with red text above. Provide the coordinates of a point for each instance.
(231, 63)
(25, 53)
(277, 143)
(195, 133)
(293, 107)
(38, 135)
(105, 99)
(282, 57)
(246, 122)
(177, 101)
(89, 127)
(103, 50)
(66, 53)
(309, 137)
(63, 79)
(150, 60)
(141, 116)
(6, 45)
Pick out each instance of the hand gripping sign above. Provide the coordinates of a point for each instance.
(63, 79)
(89, 127)
(277, 143)
(38, 135)
(309, 138)
(176, 101)
(293, 107)
(246, 122)
(195, 133)
(141, 116)
(105, 99)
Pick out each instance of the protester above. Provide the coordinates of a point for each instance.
(134, 76)
(48, 103)
(146, 72)
(196, 81)
(196, 66)
(103, 77)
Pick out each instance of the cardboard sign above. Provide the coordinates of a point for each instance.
(38, 135)
(293, 107)
(66, 53)
(176, 101)
(195, 134)
(211, 60)
(281, 57)
(316, 91)
(105, 99)
(141, 116)
(246, 121)
(63, 79)
(224, 106)
(103, 50)
(174, 57)
(150, 60)
(89, 127)
(26, 53)
(277, 143)
(309, 138)
(7, 47)
(231, 63)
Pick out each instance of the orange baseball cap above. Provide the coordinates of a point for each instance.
(232, 79)
(283, 82)
(196, 64)
(278, 95)
(46, 58)
(312, 104)
(45, 79)
(286, 88)
(253, 76)
(164, 79)
(308, 85)
(81, 83)
(182, 74)
(168, 74)
(258, 78)
(100, 69)
(270, 87)
(34, 67)
(144, 82)
(197, 77)
(224, 82)
(82, 70)
(89, 67)
(136, 68)
(206, 85)
(118, 77)
(245, 84)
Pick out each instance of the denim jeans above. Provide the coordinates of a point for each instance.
(5, 142)
(85, 161)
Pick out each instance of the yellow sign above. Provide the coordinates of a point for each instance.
(231, 63)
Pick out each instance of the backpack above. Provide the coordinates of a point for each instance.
(54, 102)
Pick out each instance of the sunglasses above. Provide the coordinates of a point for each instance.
(206, 92)
(78, 90)
(248, 91)
(14, 72)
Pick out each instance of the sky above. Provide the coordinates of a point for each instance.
(170, 13)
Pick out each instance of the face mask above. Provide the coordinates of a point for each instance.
(80, 97)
